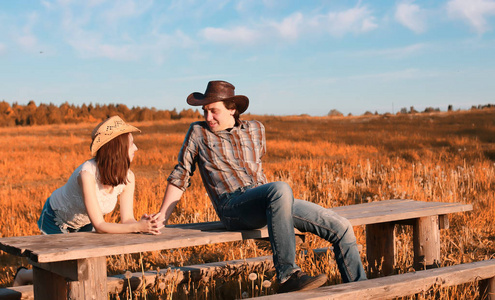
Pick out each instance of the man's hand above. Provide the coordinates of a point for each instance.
(151, 224)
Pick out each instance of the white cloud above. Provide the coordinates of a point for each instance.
(27, 42)
(474, 12)
(2, 48)
(125, 9)
(393, 52)
(242, 35)
(355, 20)
(90, 45)
(25, 37)
(291, 26)
(85, 26)
(411, 16)
(244, 5)
(405, 74)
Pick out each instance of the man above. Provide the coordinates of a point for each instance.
(228, 153)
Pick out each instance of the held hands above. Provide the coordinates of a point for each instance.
(150, 224)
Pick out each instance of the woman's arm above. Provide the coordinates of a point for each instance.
(147, 224)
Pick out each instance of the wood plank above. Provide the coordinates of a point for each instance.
(487, 288)
(66, 269)
(17, 293)
(92, 283)
(52, 248)
(380, 248)
(426, 243)
(398, 285)
(48, 285)
(44, 249)
(395, 210)
(117, 283)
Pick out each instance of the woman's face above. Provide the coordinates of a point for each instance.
(132, 147)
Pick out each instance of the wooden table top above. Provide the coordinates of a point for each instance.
(62, 247)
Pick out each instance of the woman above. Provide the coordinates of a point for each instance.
(93, 188)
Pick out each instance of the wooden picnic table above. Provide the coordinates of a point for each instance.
(74, 265)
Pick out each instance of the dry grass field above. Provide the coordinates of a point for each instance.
(448, 157)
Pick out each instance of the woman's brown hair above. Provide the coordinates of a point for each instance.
(113, 161)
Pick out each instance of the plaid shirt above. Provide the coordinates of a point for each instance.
(227, 160)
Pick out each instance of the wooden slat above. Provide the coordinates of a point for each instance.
(396, 210)
(51, 248)
(116, 284)
(398, 285)
(44, 249)
(17, 293)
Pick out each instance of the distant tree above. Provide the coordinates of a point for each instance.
(40, 115)
(163, 115)
(431, 109)
(124, 110)
(189, 113)
(450, 108)
(83, 112)
(145, 114)
(54, 114)
(334, 113)
(5, 108)
(367, 113)
(403, 110)
(174, 115)
(7, 115)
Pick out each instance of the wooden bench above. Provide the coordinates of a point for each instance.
(74, 265)
(405, 284)
(117, 284)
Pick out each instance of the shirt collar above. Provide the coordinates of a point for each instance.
(237, 126)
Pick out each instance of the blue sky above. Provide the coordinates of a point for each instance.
(288, 57)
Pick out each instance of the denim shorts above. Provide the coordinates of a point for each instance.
(47, 224)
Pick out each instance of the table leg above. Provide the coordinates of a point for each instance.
(92, 283)
(380, 248)
(487, 289)
(426, 243)
(48, 285)
(78, 279)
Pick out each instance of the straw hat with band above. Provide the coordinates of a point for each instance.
(219, 91)
(107, 130)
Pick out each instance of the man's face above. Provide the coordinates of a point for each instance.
(218, 116)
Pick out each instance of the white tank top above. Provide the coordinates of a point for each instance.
(68, 204)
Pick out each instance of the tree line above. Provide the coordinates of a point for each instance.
(43, 114)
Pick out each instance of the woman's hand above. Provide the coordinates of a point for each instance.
(150, 224)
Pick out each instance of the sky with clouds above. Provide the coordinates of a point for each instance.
(289, 57)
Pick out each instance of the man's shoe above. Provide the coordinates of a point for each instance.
(300, 281)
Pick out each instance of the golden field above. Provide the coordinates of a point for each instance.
(448, 157)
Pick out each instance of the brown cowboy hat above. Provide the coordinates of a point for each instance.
(219, 91)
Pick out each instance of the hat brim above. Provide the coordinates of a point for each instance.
(199, 99)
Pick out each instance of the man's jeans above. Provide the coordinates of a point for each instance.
(273, 204)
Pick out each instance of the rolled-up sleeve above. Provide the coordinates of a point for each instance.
(180, 176)
(263, 140)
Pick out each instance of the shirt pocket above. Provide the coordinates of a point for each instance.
(252, 149)
(217, 149)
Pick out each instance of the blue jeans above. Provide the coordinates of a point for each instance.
(273, 205)
(47, 225)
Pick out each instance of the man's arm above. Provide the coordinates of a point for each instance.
(170, 200)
